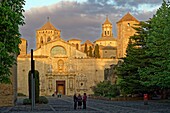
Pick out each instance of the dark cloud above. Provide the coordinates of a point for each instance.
(80, 20)
(136, 3)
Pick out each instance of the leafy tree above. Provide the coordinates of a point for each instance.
(156, 74)
(85, 49)
(128, 69)
(96, 51)
(90, 52)
(10, 18)
(106, 89)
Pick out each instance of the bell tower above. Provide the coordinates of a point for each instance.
(46, 34)
(107, 28)
(124, 31)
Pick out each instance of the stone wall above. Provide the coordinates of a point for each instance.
(92, 69)
(8, 92)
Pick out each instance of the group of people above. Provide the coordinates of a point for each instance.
(58, 94)
(80, 100)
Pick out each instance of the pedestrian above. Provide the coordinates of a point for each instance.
(75, 101)
(84, 100)
(79, 99)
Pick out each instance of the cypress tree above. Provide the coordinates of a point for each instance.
(96, 51)
(90, 51)
(37, 89)
(85, 49)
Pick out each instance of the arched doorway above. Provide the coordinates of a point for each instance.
(60, 87)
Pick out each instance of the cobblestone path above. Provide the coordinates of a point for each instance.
(65, 105)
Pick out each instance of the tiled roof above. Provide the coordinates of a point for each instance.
(128, 17)
(48, 26)
(106, 39)
(87, 42)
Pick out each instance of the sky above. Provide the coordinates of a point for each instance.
(81, 19)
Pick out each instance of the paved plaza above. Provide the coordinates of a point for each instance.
(65, 105)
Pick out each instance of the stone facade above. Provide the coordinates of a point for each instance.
(124, 31)
(8, 92)
(63, 66)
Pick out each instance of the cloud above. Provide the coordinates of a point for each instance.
(136, 3)
(81, 20)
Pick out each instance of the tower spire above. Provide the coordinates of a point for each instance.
(106, 17)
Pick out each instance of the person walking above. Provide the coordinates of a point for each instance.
(75, 101)
(84, 100)
(79, 99)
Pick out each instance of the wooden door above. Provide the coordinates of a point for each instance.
(60, 87)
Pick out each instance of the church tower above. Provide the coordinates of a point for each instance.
(106, 38)
(46, 34)
(107, 28)
(23, 47)
(124, 31)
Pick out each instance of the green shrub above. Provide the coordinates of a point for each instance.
(106, 89)
(21, 94)
(43, 100)
(27, 101)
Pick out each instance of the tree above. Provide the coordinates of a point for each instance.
(90, 52)
(96, 51)
(85, 49)
(128, 69)
(37, 85)
(156, 74)
(106, 89)
(10, 18)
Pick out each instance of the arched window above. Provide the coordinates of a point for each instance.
(48, 39)
(77, 46)
(58, 50)
(41, 40)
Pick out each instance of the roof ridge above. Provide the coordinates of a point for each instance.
(128, 17)
(88, 42)
(48, 26)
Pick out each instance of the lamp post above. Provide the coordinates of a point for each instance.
(32, 82)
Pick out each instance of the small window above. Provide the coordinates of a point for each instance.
(128, 24)
(48, 39)
(105, 51)
(77, 46)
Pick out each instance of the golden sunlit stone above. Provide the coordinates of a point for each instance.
(64, 67)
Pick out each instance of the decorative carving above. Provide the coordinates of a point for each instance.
(42, 82)
(50, 85)
(81, 82)
(60, 65)
(50, 69)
